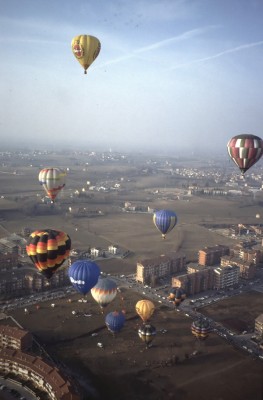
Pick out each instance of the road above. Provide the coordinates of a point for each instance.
(242, 342)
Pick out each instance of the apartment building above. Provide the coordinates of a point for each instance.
(8, 261)
(15, 338)
(42, 374)
(25, 281)
(247, 269)
(211, 255)
(198, 280)
(250, 255)
(259, 326)
(149, 271)
(113, 249)
(206, 273)
(226, 276)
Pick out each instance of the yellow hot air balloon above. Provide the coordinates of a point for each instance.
(86, 49)
(144, 309)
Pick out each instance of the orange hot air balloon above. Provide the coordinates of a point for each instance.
(145, 309)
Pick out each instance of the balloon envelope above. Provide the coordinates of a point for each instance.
(84, 275)
(86, 49)
(165, 221)
(147, 333)
(104, 291)
(177, 294)
(115, 321)
(144, 309)
(245, 150)
(52, 180)
(48, 249)
(201, 328)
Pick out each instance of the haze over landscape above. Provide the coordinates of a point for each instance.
(171, 76)
(95, 157)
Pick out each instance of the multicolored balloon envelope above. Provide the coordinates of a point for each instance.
(177, 295)
(245, 150)
(201, 328)
(48, 249)
(147, 333)
(145, 309)
(53, 180)
(84, 275)
(115, 321)
(165, 221)
(104, 291)
(86, 49)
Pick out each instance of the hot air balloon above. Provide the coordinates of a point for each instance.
(257, 216)
(147, 333)
(177, 295)
(245, 150)
(201, 328)
(115, 321)
(84, 275)
(52, 180)
(164, 221)
(144, 309)
(86, 49)
(48, 249)
(104, 291)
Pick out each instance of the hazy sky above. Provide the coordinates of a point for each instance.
(171, 75)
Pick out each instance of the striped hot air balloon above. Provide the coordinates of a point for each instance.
(104, 292)
(53, 180)
(201, 329)
(48, 249)
(165, 221)
(145, 309)
(245, 150)
(147, 333)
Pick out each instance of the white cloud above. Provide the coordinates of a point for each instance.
(218, 55)
(157, 45)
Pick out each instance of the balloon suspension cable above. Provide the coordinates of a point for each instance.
(121, 302)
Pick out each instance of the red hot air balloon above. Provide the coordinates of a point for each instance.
(245, 150)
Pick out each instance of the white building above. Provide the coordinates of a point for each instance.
(113, 249)
(226, 276)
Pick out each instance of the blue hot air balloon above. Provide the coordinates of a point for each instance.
(165, 221)
(84, 275)
(115, 321)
